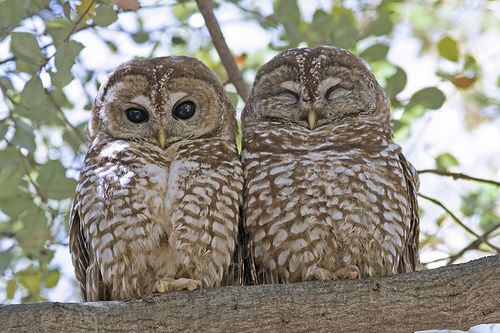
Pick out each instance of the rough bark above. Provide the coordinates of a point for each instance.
(452, 297)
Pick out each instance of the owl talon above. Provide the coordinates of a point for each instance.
(169, 284)
(350, 272)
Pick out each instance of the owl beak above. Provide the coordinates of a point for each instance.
(162, 138)
(311, 118)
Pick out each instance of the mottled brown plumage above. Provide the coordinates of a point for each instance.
(157, 204)
(327, 193)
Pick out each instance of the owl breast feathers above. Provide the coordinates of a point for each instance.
(157, 204)
(327, 192)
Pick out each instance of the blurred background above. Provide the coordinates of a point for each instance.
(437, 60)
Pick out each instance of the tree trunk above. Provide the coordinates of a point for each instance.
(452, 297)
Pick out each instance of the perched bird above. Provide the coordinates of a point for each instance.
(157, 204)
(327, 192)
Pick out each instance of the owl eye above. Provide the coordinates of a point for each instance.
(137, 115)
(290, 94)
(184, 111)
(336, 90)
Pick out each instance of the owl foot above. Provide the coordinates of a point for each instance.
(350, 272)
(169, 284)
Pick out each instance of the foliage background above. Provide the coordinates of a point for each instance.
(437, 60)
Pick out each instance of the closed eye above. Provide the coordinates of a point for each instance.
(334, 91)
(289, 94)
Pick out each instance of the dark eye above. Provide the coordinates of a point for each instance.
(184, 111)
(136, 115)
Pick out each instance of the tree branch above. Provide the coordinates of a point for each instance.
(474, 245)
(456, 175)
(234, 74)
(456, 219)
(452, 297)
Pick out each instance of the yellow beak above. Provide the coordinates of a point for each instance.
(162, 138)
(311, 118)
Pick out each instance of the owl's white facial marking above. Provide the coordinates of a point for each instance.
(143, 101)
(174, 97)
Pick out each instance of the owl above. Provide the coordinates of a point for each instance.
(327, 192)
(157, 203)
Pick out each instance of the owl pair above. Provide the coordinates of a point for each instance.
(324, 191)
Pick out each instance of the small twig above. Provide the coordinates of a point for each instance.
(474, 245)
(456, 175)
(82, 16)
(14, 58)
(233, 72)
(456, 219)
(63, 116)
(7, 60)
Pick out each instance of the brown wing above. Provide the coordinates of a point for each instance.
(81, 257)
(410, 259)
(78, 248)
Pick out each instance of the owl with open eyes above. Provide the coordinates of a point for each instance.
(327, 192)
(157, 204)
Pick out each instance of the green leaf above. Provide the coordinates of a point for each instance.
(35, 233)
(67, 10)
(4, 127)
(441, 219)
(344, 26)
(142, 37)
(11, 288)
(52, 278)
(35, 105)
(445, 161)
(59, 29)
(287, 11)
(176, 40)
(430, 98)
(53, 182)
(396, 83)
(10, 178)
(11, 13)
(448, 48)
(105, 15)
(15, 203)
(184, 9)
(33, 94)
(30, 278)
(10, 157)
(381, 26)
(25, 48)
(66, 54)
(64, 61)
(5, 259)
(375, 52)
(24, 136)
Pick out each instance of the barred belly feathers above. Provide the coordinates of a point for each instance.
(157, 204)
(327, 193)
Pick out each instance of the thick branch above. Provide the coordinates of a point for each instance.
(234, 74)
(452, 297)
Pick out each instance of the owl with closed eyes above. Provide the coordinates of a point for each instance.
(157, 204)
(327, 192)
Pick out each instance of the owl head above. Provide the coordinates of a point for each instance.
(162, 100)
(315, 87)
